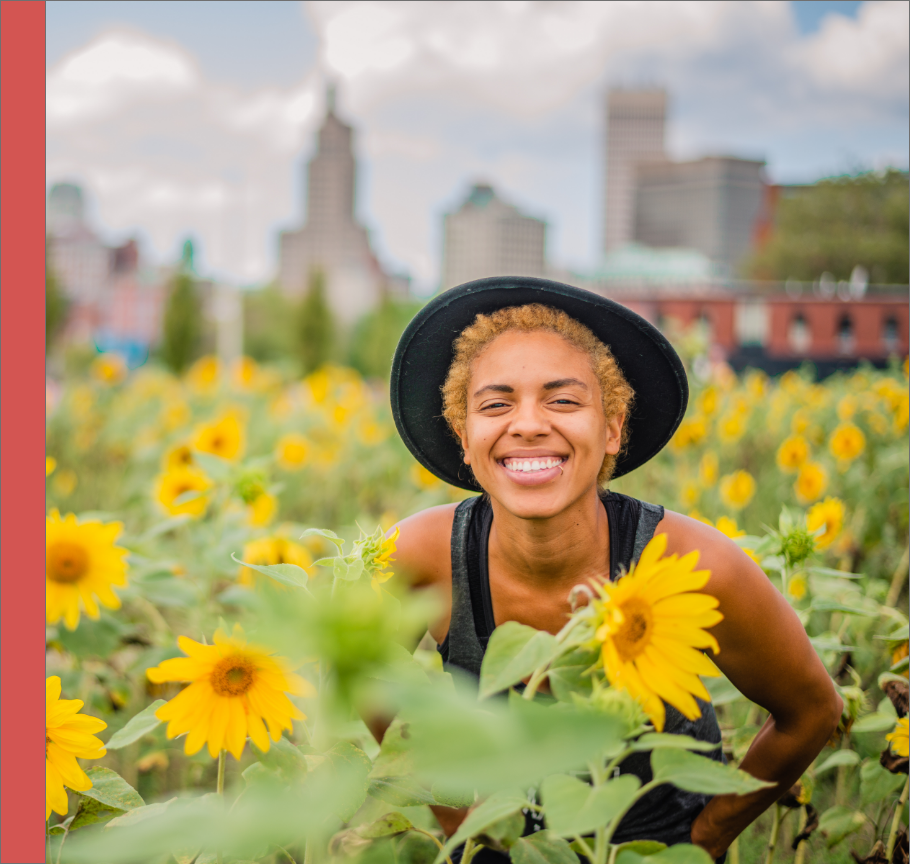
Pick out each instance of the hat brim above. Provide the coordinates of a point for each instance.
(425, 352)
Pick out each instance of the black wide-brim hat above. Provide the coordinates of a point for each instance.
(425, 352)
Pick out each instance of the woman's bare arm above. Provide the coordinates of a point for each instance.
(766, 654)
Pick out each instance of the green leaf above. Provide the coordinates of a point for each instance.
(665, 741)
(143, 723)
(574, 808)
(289, 574)
(400, 792)
(694, 773)
(722, 690)
(642, 847)
(823, 604)
(514, 652)
(216, 467)
(389, 825)
(496, 807)
(353, 765)
(331, 536)
(682, 853)
(828, 643)
(828, 571)
(401, 667)
(92, 638)
(91, 812)
(451, 798)
(505, 832)
(542, 848)
(901, 666)
(110, 789)
(876, 722)
(349, 571)
(169, 591)
(877, 783)
(168, 524)
(902, 634)
(841, 757)
(839, 822)
(283, 758)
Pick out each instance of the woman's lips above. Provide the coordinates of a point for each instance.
(533, 472)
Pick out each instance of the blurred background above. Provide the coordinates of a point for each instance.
(290, 181)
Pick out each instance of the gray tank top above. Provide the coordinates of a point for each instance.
(666, 813)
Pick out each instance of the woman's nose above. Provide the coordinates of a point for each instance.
(529, 421)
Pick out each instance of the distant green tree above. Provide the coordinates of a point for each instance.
(837, 224)
(183, 324)
(376, 336)
(55, 304)
(268, 325)
(315, 329)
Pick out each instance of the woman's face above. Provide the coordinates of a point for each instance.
(535, 433)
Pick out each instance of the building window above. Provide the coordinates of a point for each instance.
(846, 341)
(798, 335)
(890, 337)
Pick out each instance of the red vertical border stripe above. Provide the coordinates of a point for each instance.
(22, 193)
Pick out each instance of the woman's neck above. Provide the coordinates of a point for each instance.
(563, 550)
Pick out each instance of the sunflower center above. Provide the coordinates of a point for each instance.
(68, 562)
(232, 676)
(633, 634)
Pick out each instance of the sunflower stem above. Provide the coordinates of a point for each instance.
(733, 857)
(896, 821)
(800, 856)
(775, 831)
(588, 852)
(219, 787)
(435, 839)
(898, 579)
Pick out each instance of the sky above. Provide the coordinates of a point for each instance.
(183, 118)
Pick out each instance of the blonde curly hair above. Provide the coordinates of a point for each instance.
(615, 393)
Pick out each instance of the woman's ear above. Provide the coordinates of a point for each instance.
(614, 434)
(464, 446)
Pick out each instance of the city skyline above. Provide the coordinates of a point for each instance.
(166, 142)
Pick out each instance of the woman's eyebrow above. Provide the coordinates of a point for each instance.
(564, 382)
(495, 388)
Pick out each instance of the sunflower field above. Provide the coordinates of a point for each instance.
(224, 620)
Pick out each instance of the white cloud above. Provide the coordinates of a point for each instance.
(441, 93)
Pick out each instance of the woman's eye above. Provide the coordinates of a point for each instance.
(564, 402)
(494, 405)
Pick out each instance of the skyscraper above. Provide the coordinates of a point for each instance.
(488, 237)
(635, 133)
(331, 240)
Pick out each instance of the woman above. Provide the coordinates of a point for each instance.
(536, 394)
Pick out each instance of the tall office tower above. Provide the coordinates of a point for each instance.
(635, 133)
(709, 204)
(488, 237)
(331, 240)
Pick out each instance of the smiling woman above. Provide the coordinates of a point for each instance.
(537, 388)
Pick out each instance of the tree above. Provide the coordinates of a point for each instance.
(268, 322)
(182, 317)
(55, 304)
(837, 224)
(376, 336)
(315, 330)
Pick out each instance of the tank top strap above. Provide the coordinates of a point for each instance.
(462, 646)
(650, 517)
(631, 523)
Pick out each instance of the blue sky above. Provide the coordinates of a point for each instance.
(196, 117)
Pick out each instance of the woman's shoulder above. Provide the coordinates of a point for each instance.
(423, 549)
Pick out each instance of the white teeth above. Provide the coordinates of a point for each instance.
(525, 465)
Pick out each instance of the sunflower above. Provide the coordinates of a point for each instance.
(811, 482)
(847, 442)
(792, 453)
(67, 734)
(174, 415)
(382, 559)
(422, 478)
(729, 528)
(82, 564)
(109, 368)
(649, 626)
(235, 690)
(179, 456)
(708, 470)
(830, 514)
(261, 509)
(737, 489)
(50, 463)
(223, 437)
(797, 586)
(292, 451)
(731, 428)
(272, 550)
(690, 432)
(898, 739)
(245, 373)
(172, 484)
(203, 374)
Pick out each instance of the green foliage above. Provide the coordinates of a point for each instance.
(268, 325)
(55, 304)
(376, 335)
(143, 723)
(182, 332)
(314, 333)
(837, 224)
